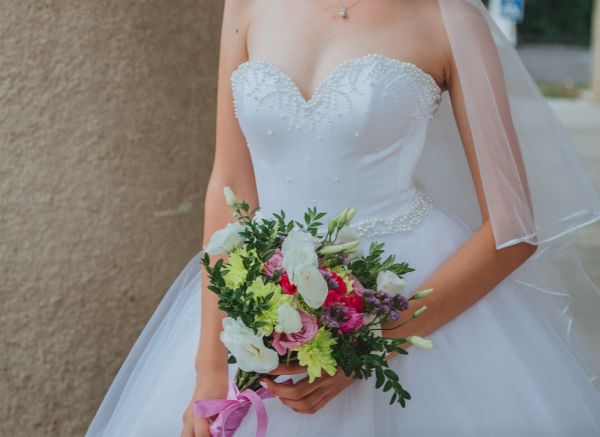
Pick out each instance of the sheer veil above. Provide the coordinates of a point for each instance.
(535, 187)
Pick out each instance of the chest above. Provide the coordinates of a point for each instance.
(368, 95)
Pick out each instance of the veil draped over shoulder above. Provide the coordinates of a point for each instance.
(536, 189)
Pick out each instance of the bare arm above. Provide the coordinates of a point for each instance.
(231, 167)
(477, 266)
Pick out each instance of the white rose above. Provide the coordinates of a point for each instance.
(297, 255)
(301, 263)
(298, 236)
(311, 285)
(390, 282)
(249, 350)
(225, 240)
(288, 319)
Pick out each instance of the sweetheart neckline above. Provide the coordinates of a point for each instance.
(337, 69)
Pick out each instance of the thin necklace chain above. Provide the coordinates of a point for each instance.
(343, 13)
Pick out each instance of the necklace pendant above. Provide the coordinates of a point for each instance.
(342, 13)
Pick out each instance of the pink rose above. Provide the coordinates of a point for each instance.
(282, 341)
(274, 263)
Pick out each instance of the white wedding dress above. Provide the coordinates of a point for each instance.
(496, 370)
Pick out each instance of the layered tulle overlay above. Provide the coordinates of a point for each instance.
(519, 362)
(495, 370)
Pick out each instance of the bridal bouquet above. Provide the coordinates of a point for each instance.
(295, 295)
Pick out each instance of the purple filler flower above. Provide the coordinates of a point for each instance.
(384, 306)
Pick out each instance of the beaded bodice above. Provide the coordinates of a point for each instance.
(354, 142)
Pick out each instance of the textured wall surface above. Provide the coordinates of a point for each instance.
(106, 141)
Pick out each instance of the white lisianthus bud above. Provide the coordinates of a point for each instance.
(390, 282)
(349, 215)
(249, 349)
(420, 342)
(332, 225)
(420, 311)
(339, 248)
(350, 246)
(342, 220)
(421, 294)
(345, 235)
(288, 319)
(225, 240)
(230, 197)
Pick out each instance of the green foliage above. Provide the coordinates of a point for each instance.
(360, 354)
(363, 354)
(237, 302)
(560, 22)
(368, 267)
(556, 22)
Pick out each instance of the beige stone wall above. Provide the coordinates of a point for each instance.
(106, 139)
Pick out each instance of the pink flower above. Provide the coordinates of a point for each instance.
(354, 322)
(274, 263)
(357, 287)
(282, 341)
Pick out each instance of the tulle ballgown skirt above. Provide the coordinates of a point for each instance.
(496, 370)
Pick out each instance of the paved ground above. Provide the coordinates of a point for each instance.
(548, 63)
(582, 120)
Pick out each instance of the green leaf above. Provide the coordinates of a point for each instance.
(391, 374)
(380, 378)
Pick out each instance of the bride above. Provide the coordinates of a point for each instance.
(420, 115)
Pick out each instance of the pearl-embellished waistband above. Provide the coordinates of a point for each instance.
(401, 222)
(412, 213)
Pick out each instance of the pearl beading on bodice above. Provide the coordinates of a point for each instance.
(355, 142)
(330, 99)
(401, 222)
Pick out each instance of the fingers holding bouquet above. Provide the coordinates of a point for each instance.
(303, 297)
(309, 397)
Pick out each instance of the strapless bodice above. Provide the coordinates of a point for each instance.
(355, 142)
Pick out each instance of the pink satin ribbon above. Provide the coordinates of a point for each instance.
(231, 411)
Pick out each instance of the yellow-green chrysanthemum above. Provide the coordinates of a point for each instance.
(260, 288)
(236, 272)
(344, 273)
(316, 354)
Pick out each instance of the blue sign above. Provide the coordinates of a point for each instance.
(513, 9)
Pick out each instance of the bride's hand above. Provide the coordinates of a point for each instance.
(194, 426)
(197, 426)
(303, 397)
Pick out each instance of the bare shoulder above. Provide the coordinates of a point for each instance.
(237, 15)
(423, 20)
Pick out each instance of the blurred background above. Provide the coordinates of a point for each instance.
(107, 120)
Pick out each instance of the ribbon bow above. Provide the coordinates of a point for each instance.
(231, 411)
